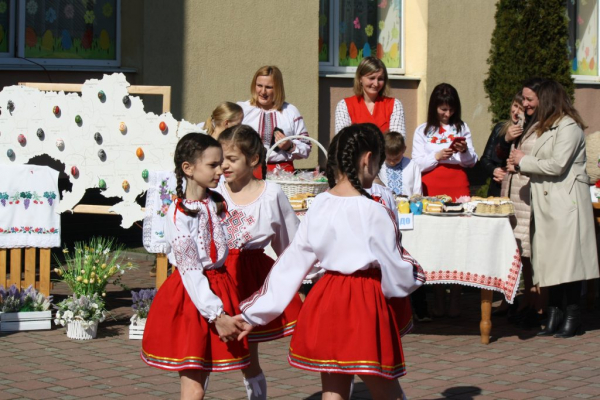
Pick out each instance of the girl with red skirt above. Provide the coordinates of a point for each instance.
(259, 214)
(189, 327)
(347, 325)
(443, 161)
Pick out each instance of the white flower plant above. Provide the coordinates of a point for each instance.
(87, 309)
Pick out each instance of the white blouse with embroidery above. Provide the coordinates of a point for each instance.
(411, 176)
(288, 120)
(346, 234)
(188, 248)
(426, 145)
(268, 219)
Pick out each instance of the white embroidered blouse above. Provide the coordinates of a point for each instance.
(346, 234)
(189, 249)
(410, 181)
(268, 219)
(288, 120)
(426, 145)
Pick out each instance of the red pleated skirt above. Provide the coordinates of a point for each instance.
(249, 270)
(446, 179)
(178, 337)
(347, 326)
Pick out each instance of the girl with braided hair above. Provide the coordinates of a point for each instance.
(189, 328)
(347, 325)
(259, 214)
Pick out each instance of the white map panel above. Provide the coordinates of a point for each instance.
(33, 109)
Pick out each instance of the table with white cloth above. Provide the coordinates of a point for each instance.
(468, 250)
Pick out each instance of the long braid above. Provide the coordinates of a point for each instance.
(332, 166)
(349, 159)
(263, 164)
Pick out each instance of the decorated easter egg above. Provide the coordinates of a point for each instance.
(60, 144)
(122, 127)
(97, 137)
(102, 184)
(125, 185)
(101, 154)
(139, 152)
(145, 174)
(10, 153)
(40, 133)
(78, 119)
(126, 100)
(101, 95)
(56, 110)
(162, 126)
(74, 171)
(21, 139)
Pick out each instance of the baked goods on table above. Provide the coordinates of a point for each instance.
(452, 208)
(494, 205)
(434, 207)
(301, 201)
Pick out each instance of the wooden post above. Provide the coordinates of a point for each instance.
(3, 255)
(30, 267)
(485, 326)
(162, 268)
(45, 272)
(15, 268)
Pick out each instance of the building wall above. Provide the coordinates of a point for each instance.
(587, 98)
(459, 34)
(208, 51)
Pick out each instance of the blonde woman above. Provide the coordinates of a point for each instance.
(226, 115)
(370, 102)
(274, 119)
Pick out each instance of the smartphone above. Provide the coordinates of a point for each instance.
(458, 139)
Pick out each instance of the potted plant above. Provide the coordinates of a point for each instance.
(141, 305)
(87, 271)
(81, 314)
(22, 310)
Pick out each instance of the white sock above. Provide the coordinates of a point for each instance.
(256, 387)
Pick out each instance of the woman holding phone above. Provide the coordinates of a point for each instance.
(442, 147)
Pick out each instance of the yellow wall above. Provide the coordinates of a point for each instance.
(459, 34)
(415, 53)
(209, 50)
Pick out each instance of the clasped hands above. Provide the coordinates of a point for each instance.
(514, 159)
(232, 328)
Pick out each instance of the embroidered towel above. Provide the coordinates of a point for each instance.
(28, 207)
(161, 193)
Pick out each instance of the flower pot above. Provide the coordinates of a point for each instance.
(25, 321)
(76, 330)
(136, 329)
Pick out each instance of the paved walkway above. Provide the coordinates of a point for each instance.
(444, 361)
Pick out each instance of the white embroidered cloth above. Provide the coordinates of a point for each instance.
(28, 207)
(466, 250)
(160, 195)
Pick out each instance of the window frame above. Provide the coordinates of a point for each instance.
(334, 50)
(10, 34)
(17, 57)
(588, 78)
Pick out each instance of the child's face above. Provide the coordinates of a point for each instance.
(391, 160)
(235, 164)
(206, 170)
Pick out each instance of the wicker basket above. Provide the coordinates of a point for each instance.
(592, 150)
(291, 188)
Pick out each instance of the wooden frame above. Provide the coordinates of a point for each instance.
(24, 261)
(161, 259)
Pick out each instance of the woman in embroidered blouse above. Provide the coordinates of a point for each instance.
(370, 102)
(442, 165)
(267, 110)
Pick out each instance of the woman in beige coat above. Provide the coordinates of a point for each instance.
(564, 242)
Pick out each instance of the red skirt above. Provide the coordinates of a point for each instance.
(403, 313)
(249, 270)
(346, 326)
(446, 179)
(177, 337)
(286, 166)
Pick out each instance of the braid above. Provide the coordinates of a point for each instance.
(179, 187)
(263, 164)
(349, 159)
(332, 166)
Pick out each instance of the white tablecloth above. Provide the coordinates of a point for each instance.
(466, 250)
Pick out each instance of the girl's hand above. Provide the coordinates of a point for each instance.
(499, 174)
(226, 327)
(444, 154)
(245, 327)
(285, 146)
(460, 147)
(516, 156)
(513, 132)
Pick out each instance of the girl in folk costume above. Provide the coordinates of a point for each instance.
(347, 325)
(259, 214)
(274, 119)
(189, 328)
(370, 102)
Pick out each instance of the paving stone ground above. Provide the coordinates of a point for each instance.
(444, 360)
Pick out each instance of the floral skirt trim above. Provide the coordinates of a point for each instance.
(347, 367)
(272, 334)
(195, 363)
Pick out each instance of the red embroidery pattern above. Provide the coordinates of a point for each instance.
(186, 254)
(204, 238)
(503, 285)
(237, 223)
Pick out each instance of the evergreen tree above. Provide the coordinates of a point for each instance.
(529, 40)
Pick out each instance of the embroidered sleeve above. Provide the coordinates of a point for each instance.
(285, 223)
(397, 118)
(342, 117)
(421, 155)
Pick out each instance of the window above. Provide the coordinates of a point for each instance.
(583, 37)
(60, 32)
(352, 29)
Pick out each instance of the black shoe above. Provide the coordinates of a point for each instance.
(555, 318)
(571, 325)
